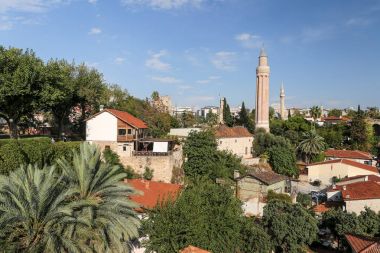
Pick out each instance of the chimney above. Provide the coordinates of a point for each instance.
(347, 196)
(344, 188)
(366, 178)
(101, 108)
(334, 186)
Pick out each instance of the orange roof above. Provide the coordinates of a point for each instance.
(348, 162)
(124, 116)
(374, 178)
(362, 244)
(152, 192)
(224, 131)
(324, 207)
(335, 118)
(192, 249)
(353, 154)
(360, 191)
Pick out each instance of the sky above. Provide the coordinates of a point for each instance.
(326, 52)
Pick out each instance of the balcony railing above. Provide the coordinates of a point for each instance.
(151, 153)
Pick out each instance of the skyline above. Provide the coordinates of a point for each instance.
(196, 50)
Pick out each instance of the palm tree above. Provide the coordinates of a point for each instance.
(34, 212)
(315, 112)
(312, 145)
(113, 221)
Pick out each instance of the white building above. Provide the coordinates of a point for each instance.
(353, 155)
(235, 139)
(182, 109)
(339, 168)
(208, 109)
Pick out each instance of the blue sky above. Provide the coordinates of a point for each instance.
(326, 52)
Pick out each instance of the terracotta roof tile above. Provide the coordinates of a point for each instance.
(192, 249)
(231, 132)
(324, 207)
(362, 244)
(353, 154)
(360, 191)
(348, 162)
(267, 177)
(153, 192)
(124, 116)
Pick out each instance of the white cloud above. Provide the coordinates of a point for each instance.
(92, 1)
(166, 79)
(95, 31)
(224, 60)
(249, 40)
(163, 4)
(208, 80)
(119, 60)
(358, 22)
(312, 34)
(155, 62)
(28, 5)
(5, 23)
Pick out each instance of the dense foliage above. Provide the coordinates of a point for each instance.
(283, 161)
(36, 151)
(206, 215)
(311, 146)
(291, 227)
(81, 207)
(204, 160)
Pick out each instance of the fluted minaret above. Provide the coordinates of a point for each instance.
(262, 92)
(221, 110)
(282, 102)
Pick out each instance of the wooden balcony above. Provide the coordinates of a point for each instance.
(123, 138)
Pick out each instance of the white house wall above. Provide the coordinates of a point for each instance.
(237, 146)
(356, 206)
(325, 172)
(102, 127)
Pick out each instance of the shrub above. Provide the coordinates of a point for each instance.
(304, 199)
(148, 173)
(63, 149)
(11, 157)
(316, 183)
(279, 196)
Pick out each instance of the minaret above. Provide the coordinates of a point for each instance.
(262, 92)
(282, 102)
(221, 111)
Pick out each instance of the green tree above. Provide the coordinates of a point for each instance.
(316, 112)
(227, 117)
(373, 112)
(21, 81)
(187, 119)
(35, 213)
(244, 119)
(359, 132)
(312, 145)
(205, 215)
(211, 119)
(291, 227)
(59, 95)
(335, 112)
(253, 238)
(369, 223)
(283, 161)
(304, 199)
(279, 196)
(112, 219)
(204, 160)
(265, 141)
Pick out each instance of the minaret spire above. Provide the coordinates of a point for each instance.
(282, 102)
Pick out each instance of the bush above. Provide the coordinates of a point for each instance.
(304, 199)
(279, 196)
(148, 173)
(283, 161)
(40, 151)
(316, 183)
(11, 157)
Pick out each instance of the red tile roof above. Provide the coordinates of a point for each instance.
(370, 178)
(362, 244)
(192, 249)
(352, 154)
(332, 118)
(224, 131)
(324, 207)
(125, 117)
(360, 191)
(348, 162)
(152, 192)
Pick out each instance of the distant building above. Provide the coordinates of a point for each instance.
(178, 111)
(182, 133)
(353, 155)
(235, 139)
(262, 92)
(326, 171)
(163, 104)
(333, 120)
(208, 109)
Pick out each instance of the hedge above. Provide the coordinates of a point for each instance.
(40, 151)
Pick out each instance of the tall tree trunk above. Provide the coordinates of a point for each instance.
(13, 130)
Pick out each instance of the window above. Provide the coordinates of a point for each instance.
(121, 131)
(129, 131)
(235, 140)
(246, 150)
(124, 147)
(220, 142)
(107, 147)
